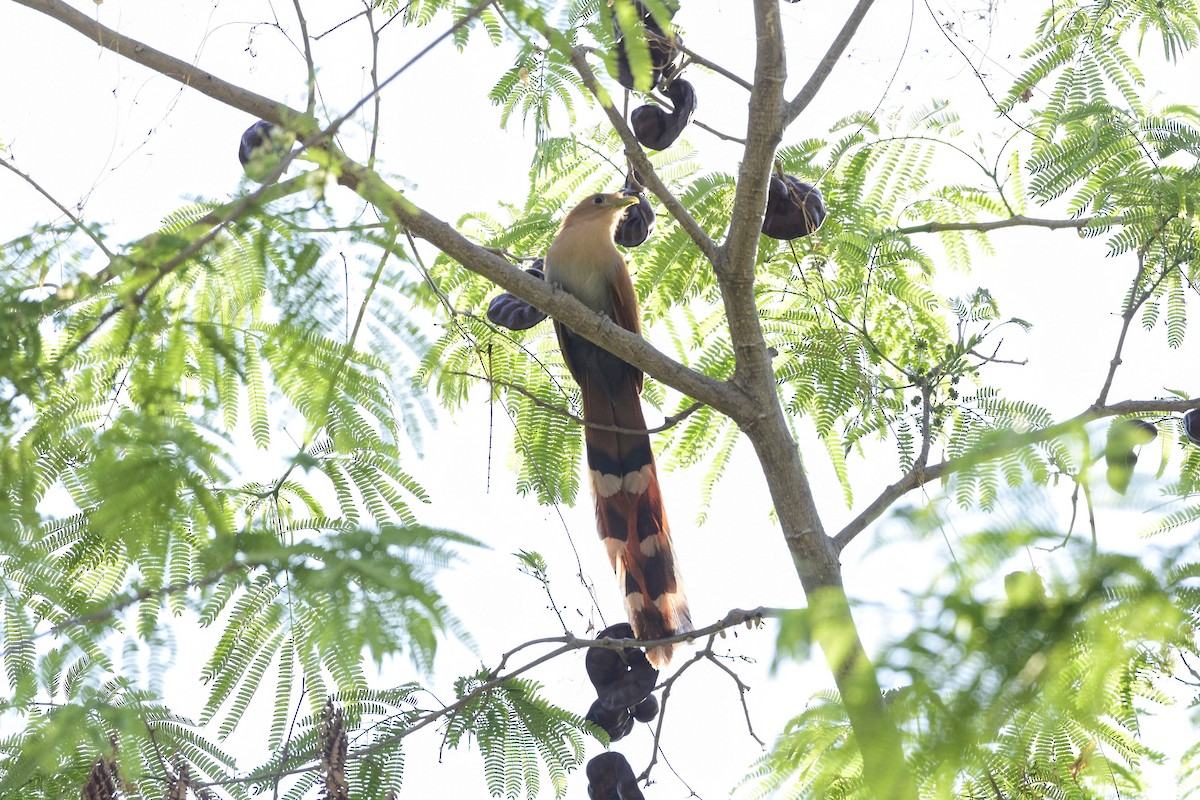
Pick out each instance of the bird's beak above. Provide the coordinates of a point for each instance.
(621, 202)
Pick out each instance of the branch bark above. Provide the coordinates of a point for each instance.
(559, 304)
(1003, 442)
(1018, 221)
(828, 61)
(170, 67)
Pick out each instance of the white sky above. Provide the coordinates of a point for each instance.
(127, 147)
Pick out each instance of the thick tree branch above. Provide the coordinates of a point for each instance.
(554, 301)
(813, 554)
(168, 66)
(998, 445)
(736, 263)
(817, 79)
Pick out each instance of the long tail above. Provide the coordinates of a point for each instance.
(630, 515)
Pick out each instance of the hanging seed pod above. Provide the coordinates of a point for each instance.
(616, 722)
(622, 678)
(509, 311)
(635, 227)
(794, 208)
(655, 128)
(1119, 455)
(663, 47)
(1191, 426)
(611, 778)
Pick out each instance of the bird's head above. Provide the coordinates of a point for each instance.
(600, 208)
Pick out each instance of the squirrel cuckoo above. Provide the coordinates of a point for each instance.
(632, 522)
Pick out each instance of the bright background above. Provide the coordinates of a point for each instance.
(123, 147)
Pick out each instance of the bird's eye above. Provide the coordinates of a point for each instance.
(598, 199)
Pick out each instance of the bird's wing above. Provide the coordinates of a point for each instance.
(625, 306)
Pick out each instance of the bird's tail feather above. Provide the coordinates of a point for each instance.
(630, 515)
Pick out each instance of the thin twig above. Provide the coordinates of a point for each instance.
(567, 644)
(742, 689)
(1016, 221)
(998, 444)
(311, 105)
(65, 211)
(715, 67)
(109, 611)
(668, 422)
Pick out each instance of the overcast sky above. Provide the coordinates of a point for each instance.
(125, 147)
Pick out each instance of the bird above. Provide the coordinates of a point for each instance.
(630, 517)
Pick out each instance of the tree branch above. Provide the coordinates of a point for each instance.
(567, 644)
(667, 424)
(170, 67)
(817, 79)
(633, 149)
(1017, 221)
(63, 209)
(561, 305)
(1000, 443)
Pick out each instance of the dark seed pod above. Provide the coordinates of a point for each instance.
(616, 722)
(611, 778)
(663, 47)
(1191, 426)
(1119, 455)
(634, 228)
(509, 311)
(794, 208)
(1024, 589)
(622, 678)
(264, 144)
(647, 709)
(655, 128)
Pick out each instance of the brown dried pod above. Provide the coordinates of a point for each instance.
(1191, 426)
(663, 46)
(1119, 455)
(794, 208)
(622, 678)
(616, 722)
(655, 128)
(263, 147)
(509, 311)
(611, 778)
(635, 227)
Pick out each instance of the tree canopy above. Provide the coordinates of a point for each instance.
(210, 429)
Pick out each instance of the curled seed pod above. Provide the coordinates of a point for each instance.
(647, 709)
(622, 678)
(611, 778)
(263, 146)
(663, 46)
(509, 311)
(1024, 589)
(794, 208)
(616, 722)
(634, 228)
(1191, 426)
(1119, 455)
(655, 128)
